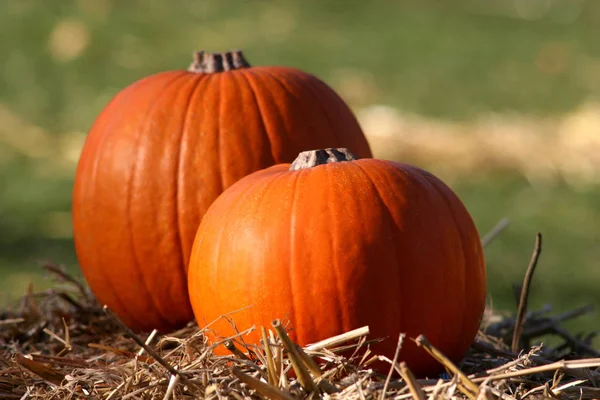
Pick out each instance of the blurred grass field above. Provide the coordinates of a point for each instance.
(64, 60)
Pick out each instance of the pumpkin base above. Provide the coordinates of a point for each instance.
(422, 365)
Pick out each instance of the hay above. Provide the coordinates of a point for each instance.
(61, 344)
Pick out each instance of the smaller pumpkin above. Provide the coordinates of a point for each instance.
(331, 243)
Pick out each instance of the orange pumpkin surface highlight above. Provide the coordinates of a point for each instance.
(164, 148)
(331, 244)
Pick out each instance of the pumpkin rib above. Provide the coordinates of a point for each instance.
(413, 176)
(294, 102)
(130, 185)
(434, 184)
(437, 311)
(297, 103)
(248, 76)
(292, 251)
(257, 121)
(264, 188)
(194, 92)
(418, 178)
(434, 203)
(394, 232)
(480, 272)
(193, 277)
(100, 148)
(444, 196)
(239, 202)
(282, 80)
(219, 137)
(332, 207)
(297, 322)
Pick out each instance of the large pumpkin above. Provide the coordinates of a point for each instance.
(332, 243)
(164, 148)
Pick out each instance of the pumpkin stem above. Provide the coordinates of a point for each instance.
(209, 63)
(312, 158)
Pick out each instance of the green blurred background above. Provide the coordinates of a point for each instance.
(497, 97)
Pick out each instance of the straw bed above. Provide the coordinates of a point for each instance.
(61, 344)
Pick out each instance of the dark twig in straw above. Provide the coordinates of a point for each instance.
(577, 312)
(519, 322)
(229, 345)
(536, 359)
(495, 231)
(140, 342)
(72, 301)
(58, 360)
(121, 352)
(62, 274)
(47, 373)
(575, 343)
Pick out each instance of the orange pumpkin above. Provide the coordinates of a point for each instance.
(331, 243)
(164, 148)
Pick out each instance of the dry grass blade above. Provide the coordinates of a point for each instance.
(297, 362)
(148, 341)
(121, 352)
(495, 231)
(59, 360)
(171, 388)
(338, 339)
(469, 388)
(60, 272)
(229, 345)
(261, 387)
(309, 362)
(559, 365)
(47, 373)
(271, 372)
(525, 292)
(11, 321)
(413, 385)
(393, 366)
(436, 389)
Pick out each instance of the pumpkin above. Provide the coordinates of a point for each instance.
(331, 243)
(164, 148)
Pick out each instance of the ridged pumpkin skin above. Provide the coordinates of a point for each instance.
(341, 245)
(164, 148)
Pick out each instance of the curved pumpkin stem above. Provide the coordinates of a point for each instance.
(209, 63)
(312, 158)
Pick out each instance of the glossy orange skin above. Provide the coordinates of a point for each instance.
(339, 246)
(159, 154)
